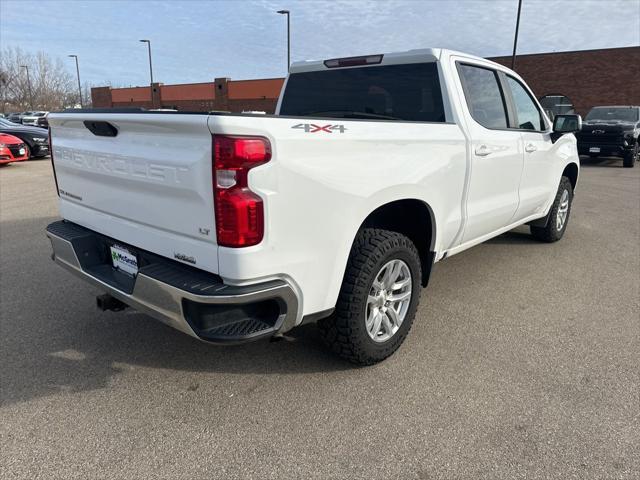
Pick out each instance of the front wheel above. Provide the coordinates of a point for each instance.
(631, 157)
(378, 298)
(558, 216)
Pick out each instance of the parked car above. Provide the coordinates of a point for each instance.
(15, 117)
(36, 139)
(36, 119)
(611, 131)
(233, 227)
(12, 149)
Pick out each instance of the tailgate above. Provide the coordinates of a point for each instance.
(150, 185)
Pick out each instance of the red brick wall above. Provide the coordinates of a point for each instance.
(133, 94)
(222, 94)
(265, 88)
(589, 78)
(101, 97)
(188, 91)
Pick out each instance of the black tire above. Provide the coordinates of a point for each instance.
(630, 158)
(550, 233)
(345, 330)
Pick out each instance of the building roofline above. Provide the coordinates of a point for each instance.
(258, 79)
(183, 84)
(565, 51)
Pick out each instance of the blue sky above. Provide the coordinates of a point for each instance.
(195, 41)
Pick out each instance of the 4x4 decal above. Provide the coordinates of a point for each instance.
(313, 128)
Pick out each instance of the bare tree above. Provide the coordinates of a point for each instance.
(48, 85)
(86, 95)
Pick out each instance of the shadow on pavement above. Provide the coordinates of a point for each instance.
(54, 338)
(608, 162)
(513, 237)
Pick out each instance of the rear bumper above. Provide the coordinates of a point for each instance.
(193, 301)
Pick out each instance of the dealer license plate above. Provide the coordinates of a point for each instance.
(124, 260)
(594, 149)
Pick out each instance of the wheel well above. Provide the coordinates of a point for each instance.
(571, 172)
(412, 218)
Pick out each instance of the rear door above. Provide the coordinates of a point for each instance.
(496, 154)
(141, 178)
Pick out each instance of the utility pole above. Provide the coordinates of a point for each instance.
(515, 38)
(287, 13)
(78, 72)
(26, 67)
(148, 42)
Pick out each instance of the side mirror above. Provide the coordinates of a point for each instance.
(565, 124)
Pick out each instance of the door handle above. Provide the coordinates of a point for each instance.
(530, 148)
(482, 150)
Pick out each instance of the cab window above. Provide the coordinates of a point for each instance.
(484, 96)
(528, 115)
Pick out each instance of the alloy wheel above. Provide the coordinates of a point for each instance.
(388, 300)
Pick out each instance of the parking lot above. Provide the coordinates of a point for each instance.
(523, 362)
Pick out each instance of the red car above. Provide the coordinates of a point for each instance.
(12, 149)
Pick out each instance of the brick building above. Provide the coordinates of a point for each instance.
(589, 77)
(221, 94)
(608, 76)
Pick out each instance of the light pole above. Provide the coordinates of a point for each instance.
(26, 67)
(148, 42)
(515, 38)
(287, 13)
(78, 72)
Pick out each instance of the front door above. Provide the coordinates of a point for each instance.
(537, 183)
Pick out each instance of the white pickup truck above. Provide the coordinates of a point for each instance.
(234, 227)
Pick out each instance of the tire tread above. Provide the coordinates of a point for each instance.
(341, 330)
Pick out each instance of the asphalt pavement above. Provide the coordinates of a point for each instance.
(523, 362)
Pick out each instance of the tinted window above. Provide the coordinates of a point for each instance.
(398, 92)
(484, 96)
(625, 114)
(528, 114)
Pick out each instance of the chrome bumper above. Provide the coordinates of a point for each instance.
(166, 302)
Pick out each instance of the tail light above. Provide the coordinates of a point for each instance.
(239, 211)
(53, 165)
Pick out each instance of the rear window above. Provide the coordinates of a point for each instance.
(395, 92)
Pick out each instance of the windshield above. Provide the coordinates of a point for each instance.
(392, 92)
(6, 123)
(613, 113)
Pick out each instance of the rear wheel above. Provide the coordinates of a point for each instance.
(558, 216)
(378, 298)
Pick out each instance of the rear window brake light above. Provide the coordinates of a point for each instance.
(353, 61)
